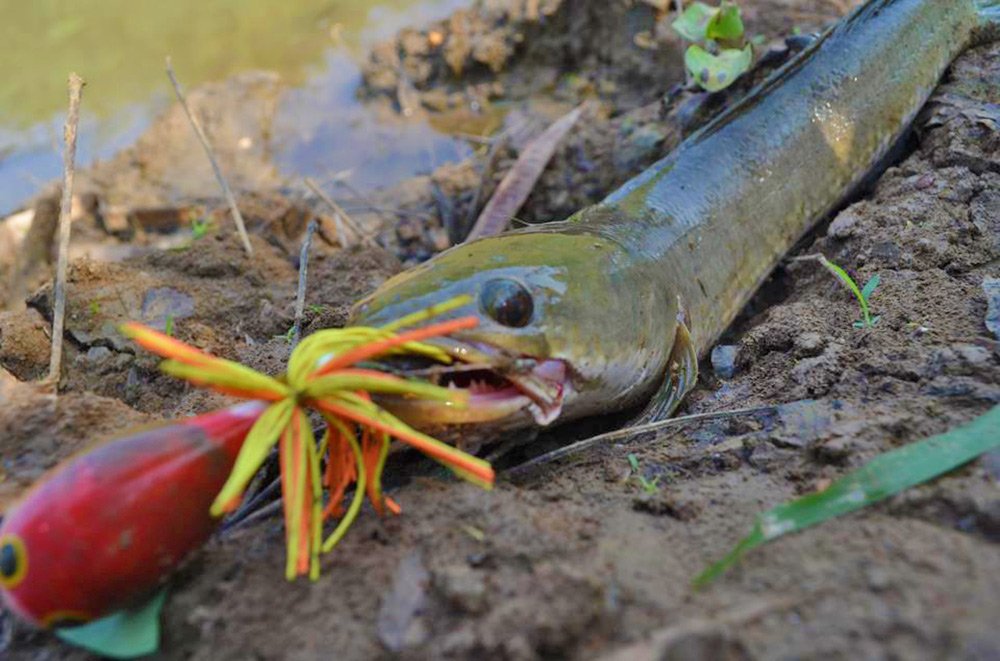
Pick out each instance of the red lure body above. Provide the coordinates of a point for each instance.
(103, 529)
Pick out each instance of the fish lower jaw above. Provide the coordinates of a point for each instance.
(536, 396)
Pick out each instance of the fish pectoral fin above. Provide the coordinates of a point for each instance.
(681, 376)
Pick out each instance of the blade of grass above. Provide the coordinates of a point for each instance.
(883, 476)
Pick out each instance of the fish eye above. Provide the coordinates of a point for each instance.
(13, 561)
(508, 302)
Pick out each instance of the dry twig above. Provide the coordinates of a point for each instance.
(75, 84)
(203, 139)
(340, 217)
(300, 298)
(580, 446)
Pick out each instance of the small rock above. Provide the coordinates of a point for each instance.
(439, 238)
(98, 354)
(991, 287)
(809, 344)
(398, 625)
(973, 355)
(463, 587)
(804, 422)
(835, 451)
(115, 221)
(409, 230)
(661, 504)
(924, 181)
(878, 579)
(161, 304)
(844, 224)
(991, 460)
(724, 360)
(886, 252)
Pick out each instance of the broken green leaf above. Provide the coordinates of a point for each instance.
(700, 22)
(122, 635)
(873, 282)
(716, 72)
(726, 25)
(692, 24)
(883, 476)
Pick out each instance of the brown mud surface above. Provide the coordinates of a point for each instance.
(576, 559)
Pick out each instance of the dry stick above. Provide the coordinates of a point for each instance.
(300, 298)
(587, 443)
(69, 158)
(520, 180)
(203, 139)
(340, 216)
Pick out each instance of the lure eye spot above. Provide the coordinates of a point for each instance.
(507, 302)
(13, 561)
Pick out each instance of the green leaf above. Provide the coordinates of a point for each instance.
(870, 286)
(123, 635)
(844, 277)
(716, 72)
(883, 476)
(726, 25)
(693, 22)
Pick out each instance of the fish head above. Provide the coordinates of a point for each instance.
(564, 330)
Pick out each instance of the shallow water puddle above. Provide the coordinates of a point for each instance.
(119, 48)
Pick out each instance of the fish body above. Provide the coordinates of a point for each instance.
(610, 308)
(103, 529)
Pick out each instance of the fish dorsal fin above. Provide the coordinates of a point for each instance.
(858, 16)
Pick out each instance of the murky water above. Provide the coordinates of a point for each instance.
(119, 46)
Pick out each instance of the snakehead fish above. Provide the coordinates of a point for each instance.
(611, 308)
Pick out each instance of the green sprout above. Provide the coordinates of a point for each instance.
(719, 54)
(649, 486)
(200, 227)
(95, 308)
(862, 294)
(316, 308)
(168, 327)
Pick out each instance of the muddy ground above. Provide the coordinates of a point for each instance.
(575, 560)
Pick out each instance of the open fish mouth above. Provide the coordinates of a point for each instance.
(498, 386)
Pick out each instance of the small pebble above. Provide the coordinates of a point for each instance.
(878, 579)
(724, 360)
(98, 354)
(991, 287)
(843, 225)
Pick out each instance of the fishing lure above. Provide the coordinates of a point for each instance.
(100, 532)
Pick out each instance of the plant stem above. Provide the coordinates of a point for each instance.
(203, 139)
